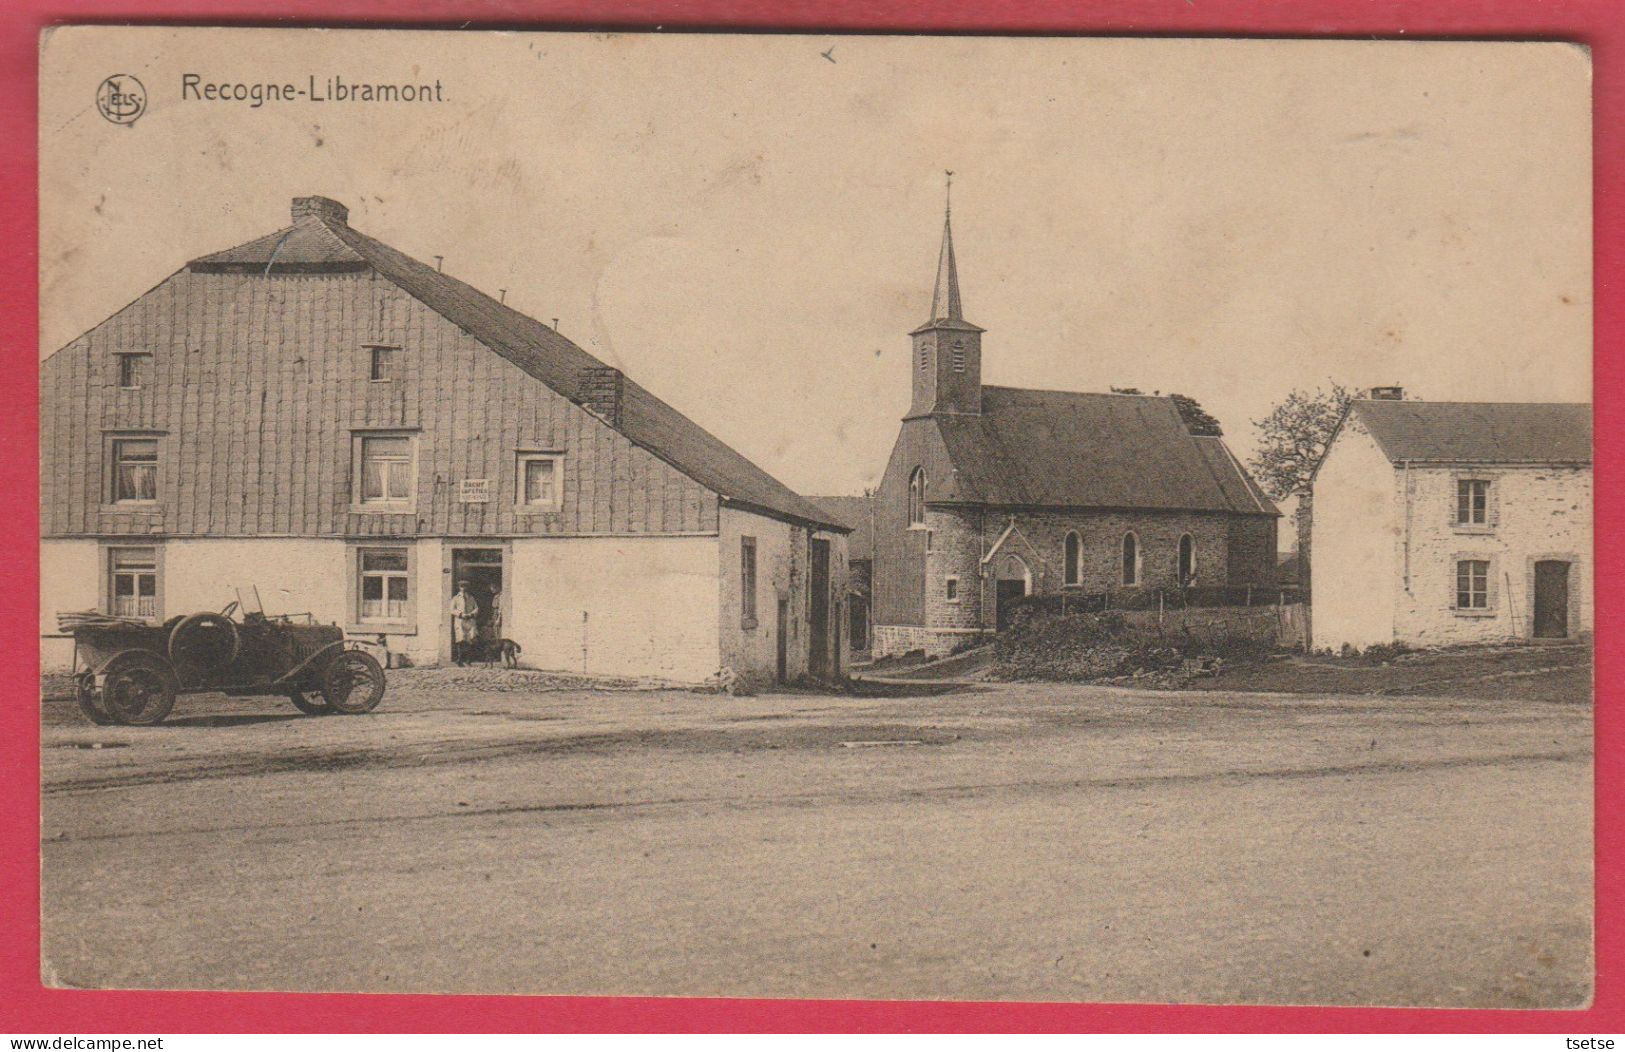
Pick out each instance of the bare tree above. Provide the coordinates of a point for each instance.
(1293, 436)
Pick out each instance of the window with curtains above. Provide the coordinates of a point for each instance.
(384, 586)
(132, 585)
(540, 481)
(386, 466)
(135, 470)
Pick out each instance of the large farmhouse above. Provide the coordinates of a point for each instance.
(993, 493)
(1452, 522)
(352, 432)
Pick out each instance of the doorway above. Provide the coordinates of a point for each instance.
(482, 569)
(1014, 582)
(1551, 599)
(818, 665)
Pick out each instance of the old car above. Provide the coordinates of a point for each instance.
(130, 671)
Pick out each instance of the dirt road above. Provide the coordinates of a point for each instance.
(1032, 842)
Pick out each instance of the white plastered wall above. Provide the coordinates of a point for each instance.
(617, 606)
(1354, 543)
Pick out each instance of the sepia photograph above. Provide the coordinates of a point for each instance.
(930, 518)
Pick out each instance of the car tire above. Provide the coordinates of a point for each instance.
(90, 700)
(311, 703)
(353, 682)
(139, 692)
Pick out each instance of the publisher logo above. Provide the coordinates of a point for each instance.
(121, 99)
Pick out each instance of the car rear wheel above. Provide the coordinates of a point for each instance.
(139, 693)
(90, 700)
(310, 702)
(353, 682)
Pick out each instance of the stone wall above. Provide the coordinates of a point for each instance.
(1535, 513)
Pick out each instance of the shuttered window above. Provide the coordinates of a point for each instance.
(747, 582)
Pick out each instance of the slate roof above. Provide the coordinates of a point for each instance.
(857, 515)
(1478, 432)
(325, 242)
(1031, 448)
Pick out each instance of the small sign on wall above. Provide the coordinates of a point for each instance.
(474, 491)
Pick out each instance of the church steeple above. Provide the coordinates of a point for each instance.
(947, 360)
(945, 305)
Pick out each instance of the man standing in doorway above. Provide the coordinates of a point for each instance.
(465, 614)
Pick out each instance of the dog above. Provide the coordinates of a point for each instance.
(503, 650)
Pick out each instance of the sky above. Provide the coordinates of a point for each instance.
(748, 226)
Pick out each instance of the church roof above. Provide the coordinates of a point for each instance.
(1032, 448)
(1478, 432)
(321, 239)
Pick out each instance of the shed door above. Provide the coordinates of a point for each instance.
(1552, 599)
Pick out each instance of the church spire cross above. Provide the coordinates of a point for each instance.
(945, 305)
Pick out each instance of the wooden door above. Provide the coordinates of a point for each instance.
(1551, 599)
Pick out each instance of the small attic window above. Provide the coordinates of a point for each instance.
(132, 369)
(384, 364)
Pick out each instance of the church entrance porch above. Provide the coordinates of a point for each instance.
(1013, 581)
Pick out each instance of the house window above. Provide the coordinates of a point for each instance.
(385, 587)
(1131, 560)
(386, 468)
(540, 481)
(384, 364)
(1072, 559)
(135, 470)
(132, 369)
(959, 356)
(132, 584)
(916, 498)
(1472, 502)
(1472, 584)
(1187, 561)
(747, 582)
(951, 589)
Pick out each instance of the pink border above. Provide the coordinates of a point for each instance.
(27, 1007)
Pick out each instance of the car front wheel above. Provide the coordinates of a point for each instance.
(353, 682)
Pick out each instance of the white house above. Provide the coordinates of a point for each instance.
(1452, 522)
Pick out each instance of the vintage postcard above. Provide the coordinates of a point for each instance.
(1041, 519)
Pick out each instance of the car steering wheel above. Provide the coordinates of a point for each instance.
(229, 608)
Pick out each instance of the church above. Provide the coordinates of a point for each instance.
(995, 493)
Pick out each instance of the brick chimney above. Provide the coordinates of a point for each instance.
(322, 208)
(1388, 394)
(600, 390)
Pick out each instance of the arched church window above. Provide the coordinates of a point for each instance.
(1131, 559)
(1187, 561)
(1073, 571)
(916, 498)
